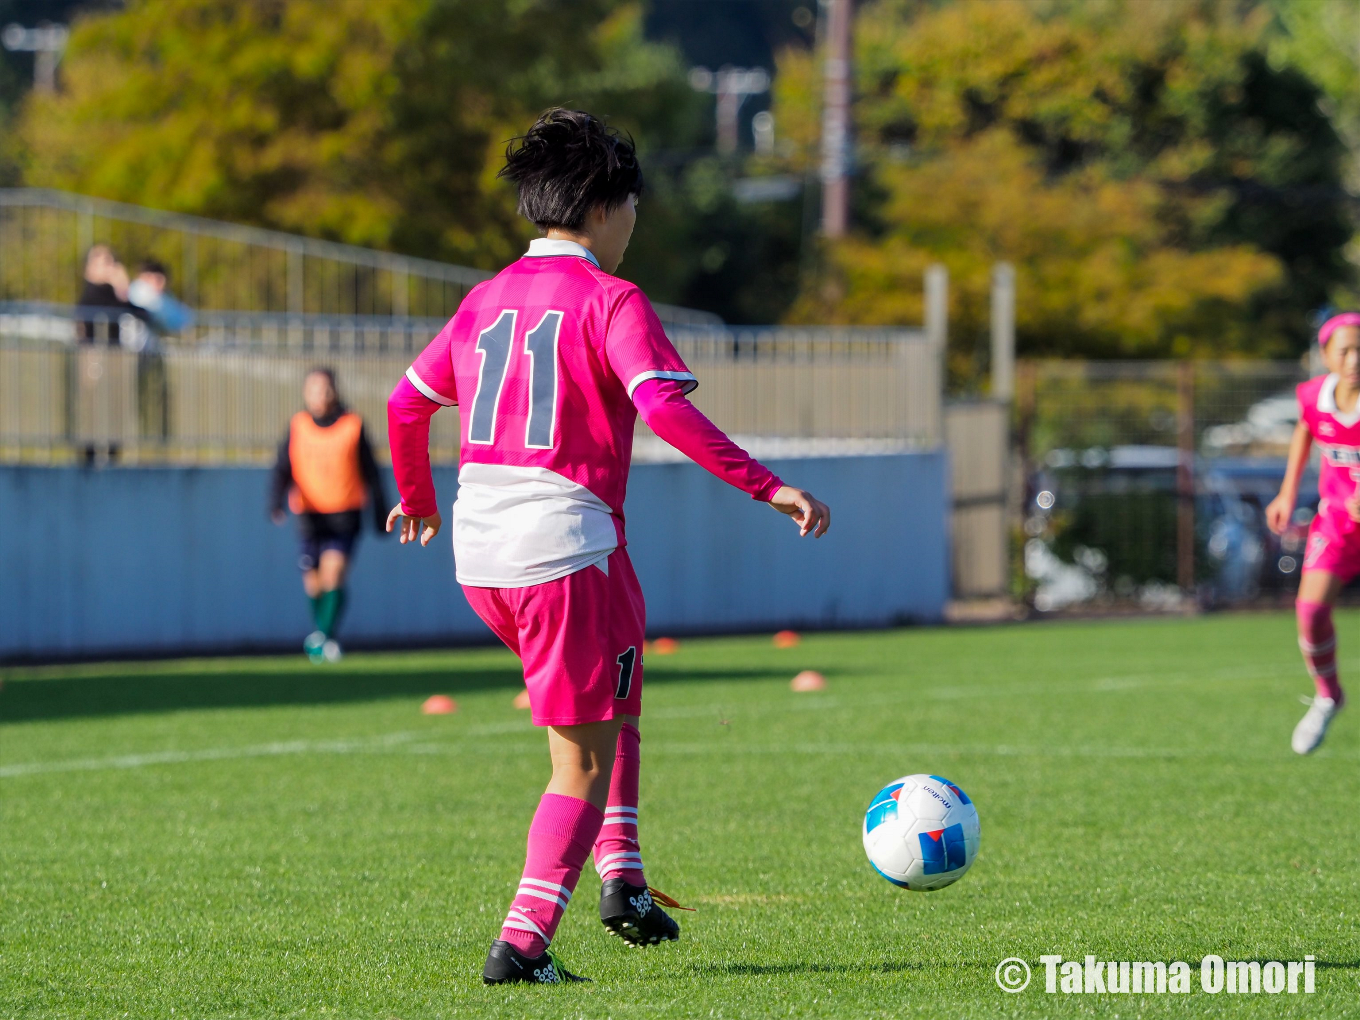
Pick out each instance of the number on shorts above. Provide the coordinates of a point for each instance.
(495, 344)
(626, 663)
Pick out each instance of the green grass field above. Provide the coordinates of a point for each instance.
(258, 837)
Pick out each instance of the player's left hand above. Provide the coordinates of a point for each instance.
(810, 514)
(409, 528)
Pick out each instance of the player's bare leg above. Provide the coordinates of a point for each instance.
(560, 837)
(628, 906)
(583, 760)
(1318, 592)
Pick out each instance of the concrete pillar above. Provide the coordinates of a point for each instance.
(1003, 331)
(937, 332)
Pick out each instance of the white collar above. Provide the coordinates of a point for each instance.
(547, 247)
(1327, 402)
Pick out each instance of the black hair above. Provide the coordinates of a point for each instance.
(568, 163)
(154, 266)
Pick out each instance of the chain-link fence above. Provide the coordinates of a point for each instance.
(1146, 482)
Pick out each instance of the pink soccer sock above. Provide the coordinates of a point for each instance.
(617, 853)
(560, 837)
(1317, 641)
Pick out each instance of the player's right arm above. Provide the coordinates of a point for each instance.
(1281, 508)
(427, 386)
(280, 480)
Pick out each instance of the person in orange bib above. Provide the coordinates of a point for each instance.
(326, 469)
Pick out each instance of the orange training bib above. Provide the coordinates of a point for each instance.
(325, 462)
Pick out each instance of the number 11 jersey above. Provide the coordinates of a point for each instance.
(542, 361)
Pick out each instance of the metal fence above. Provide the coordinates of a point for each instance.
(223, 392)
(1146, 482)
(45, 234)
(1082, 406)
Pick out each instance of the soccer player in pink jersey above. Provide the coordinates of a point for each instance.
(1329, 414)
(550, 363)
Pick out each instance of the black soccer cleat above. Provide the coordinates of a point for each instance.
(631, 913)
(506, 965)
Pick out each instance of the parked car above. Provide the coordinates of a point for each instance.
(1256, 480)
(1122, 503)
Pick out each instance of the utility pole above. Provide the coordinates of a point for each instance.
(732, 86)
(836, 120)
(46, 43)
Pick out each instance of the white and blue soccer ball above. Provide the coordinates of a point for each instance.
(921, 833)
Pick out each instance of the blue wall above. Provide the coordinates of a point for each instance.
(157, 560)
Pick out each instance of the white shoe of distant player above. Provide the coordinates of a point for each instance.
(1312, 727)
(331, 651)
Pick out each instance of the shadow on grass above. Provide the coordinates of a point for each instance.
(134, 689)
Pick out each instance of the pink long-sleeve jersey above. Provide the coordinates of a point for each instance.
(546, 361)
(1338, 438)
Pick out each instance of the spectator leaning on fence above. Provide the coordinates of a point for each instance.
(106, 285)
(150, 291)
(325, 466)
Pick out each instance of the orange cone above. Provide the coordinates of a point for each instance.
(786, 639)
(808, 680)
(439, 704)
(665, 646)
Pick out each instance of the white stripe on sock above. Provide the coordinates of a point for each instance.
(627, 861)
(550, 886)
(520, 922)
(540, 894)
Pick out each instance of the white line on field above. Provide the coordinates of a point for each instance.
(135, 761)
(996, 750)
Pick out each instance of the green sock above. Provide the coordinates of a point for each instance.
(329, 606)
(315, 601)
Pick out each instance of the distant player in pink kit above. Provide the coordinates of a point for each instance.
(550, 364)
(1329, 414)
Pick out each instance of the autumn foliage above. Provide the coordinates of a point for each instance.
(1159, 187)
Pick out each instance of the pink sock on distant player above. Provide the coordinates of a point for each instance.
(617, 853)
(1317, 641)
(560, 838)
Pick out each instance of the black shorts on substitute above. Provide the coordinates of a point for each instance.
(318, 533)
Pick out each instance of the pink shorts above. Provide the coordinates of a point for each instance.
(1333, 545)
(579, 637)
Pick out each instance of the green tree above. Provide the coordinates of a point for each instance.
(379, 123)
(1160, 186)
(383, 123)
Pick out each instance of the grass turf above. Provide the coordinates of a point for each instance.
(259, 837)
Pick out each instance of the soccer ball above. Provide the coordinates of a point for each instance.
(921, 833)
